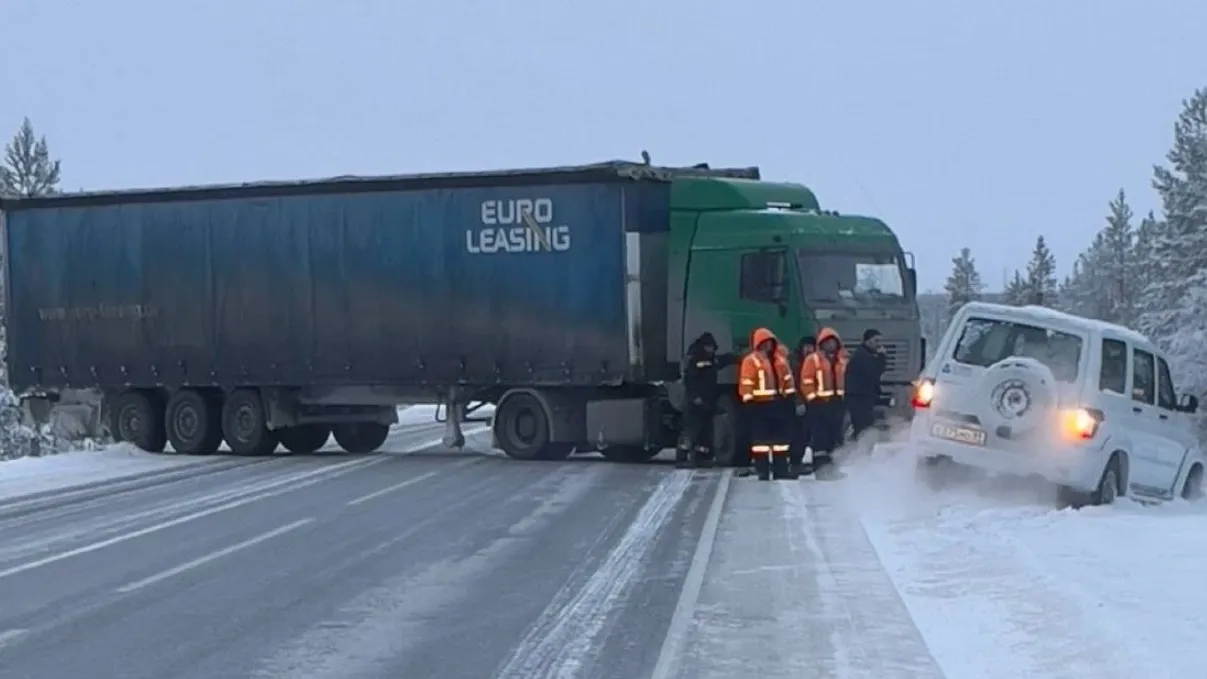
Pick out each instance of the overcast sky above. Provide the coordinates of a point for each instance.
(959, 123)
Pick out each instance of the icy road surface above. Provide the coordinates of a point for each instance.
(422, 562)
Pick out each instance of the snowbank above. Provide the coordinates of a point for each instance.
(1001, 584)
(40, 474)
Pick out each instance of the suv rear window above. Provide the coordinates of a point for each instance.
(984, 342)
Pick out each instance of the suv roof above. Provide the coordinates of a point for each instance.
(1052, 317)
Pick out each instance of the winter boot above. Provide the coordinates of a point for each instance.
(806, 467)
(682, 458)
(703, 458)
(762, 467)
(779, 467)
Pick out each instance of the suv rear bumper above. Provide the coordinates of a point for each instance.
(1073, 465)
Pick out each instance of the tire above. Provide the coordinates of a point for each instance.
(522, 428)
(1192, 490)
(193, 421)
(138, 418)
(245, 425)
(360, 438)
(628, 454)
(304, 438)
(1109, 486)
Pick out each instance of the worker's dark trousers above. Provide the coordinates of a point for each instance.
(800, 439)
(863, 413)
(770, 438)
(825, 429)
(696, 446)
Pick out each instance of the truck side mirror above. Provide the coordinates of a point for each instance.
(913, 281)
(1188, 403)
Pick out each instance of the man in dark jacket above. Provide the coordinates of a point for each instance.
(864, 371)
(700, 368)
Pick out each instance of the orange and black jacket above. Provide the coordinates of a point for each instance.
(761, 378)
(822, 377)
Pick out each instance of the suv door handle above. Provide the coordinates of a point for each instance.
(1163, 416)
(1137, 409)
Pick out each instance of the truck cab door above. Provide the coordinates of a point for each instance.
(730, 292)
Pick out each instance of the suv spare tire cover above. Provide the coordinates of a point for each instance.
(1016, 392)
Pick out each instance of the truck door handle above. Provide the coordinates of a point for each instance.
(1137, 409)
(1163, 416)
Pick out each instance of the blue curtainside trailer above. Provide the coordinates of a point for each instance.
(439, 285)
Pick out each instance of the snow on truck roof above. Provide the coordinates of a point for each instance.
(1046, 315)
(572, 174)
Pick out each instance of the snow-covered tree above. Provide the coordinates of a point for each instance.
(1116, 261)
(1179, 244)
(1041, 275)
(1103, 281)
(28, 169)
(1174, 301)
(964, 283)
(1017, 292)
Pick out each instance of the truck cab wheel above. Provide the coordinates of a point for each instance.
(361, 437)
(244, 424)
(522, 428)
(138, 418)
(304, 438)
(194, 422)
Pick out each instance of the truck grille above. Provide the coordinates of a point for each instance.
(900, 363)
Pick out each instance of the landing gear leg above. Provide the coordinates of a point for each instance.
(453, 436)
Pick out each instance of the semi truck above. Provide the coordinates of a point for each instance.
(281, 314)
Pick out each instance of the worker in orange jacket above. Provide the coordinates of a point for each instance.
(823, 385)
(765, 387)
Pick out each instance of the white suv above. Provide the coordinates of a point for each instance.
(1087, 405)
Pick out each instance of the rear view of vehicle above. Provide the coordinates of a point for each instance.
(1008, 393)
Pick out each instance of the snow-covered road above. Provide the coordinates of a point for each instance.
(870, 577)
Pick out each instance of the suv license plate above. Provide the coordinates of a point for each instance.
(973, 437)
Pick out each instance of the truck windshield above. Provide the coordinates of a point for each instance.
(852, 277)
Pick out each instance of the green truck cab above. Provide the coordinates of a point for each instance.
(757, 253)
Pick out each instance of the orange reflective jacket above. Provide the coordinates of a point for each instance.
(823, 377)
(762, 378)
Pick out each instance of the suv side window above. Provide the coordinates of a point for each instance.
(764, 276)
(1113, 375)
(1144, 377)
(1166, 398)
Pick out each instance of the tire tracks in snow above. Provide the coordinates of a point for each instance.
(987, 604)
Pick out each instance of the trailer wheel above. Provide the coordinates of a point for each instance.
(244, 424)
(193, 421)
(138, 418)
(304, 438)
(522, 427)
(361, 437)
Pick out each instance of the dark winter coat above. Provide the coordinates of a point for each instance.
(700, 368)
(864, 372)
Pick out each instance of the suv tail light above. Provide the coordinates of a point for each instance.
(924, 393)
(1081, 423)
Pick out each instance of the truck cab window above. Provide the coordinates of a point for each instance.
(764, 276)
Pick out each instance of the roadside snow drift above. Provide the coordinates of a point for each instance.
(1002, 585)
